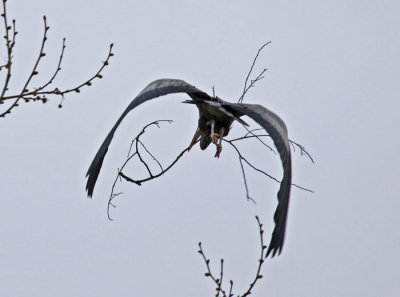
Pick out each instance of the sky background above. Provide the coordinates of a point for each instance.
(333, 76)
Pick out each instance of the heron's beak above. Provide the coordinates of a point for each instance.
(188, 101)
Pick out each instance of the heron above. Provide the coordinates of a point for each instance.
(215, 120)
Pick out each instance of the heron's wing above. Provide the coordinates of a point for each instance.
(276, 128)
(155, 89)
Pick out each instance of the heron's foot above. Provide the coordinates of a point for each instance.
(219, 150)
(194, 139)
(191, 144)
(215, 138)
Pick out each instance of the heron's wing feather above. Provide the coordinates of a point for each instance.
(155, 89)
(276, 128)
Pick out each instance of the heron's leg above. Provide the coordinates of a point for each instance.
(219, 143)
(214, 136)
(194, 139)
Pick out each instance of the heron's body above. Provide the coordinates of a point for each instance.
(215, 119)
(213, 123)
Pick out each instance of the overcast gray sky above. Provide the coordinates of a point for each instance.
(333, 76)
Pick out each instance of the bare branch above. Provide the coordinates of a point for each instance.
(250, 164)
(41, 92)
(302, 149)
(209, 274)
(134, 143)
(34, 70)
(245, 182)
(260, 260)
(154, 158)
(56, 72)
(218, 281)
(138, 144)
(254, 167)
(9, 47)
(258, 77)
(258, 137)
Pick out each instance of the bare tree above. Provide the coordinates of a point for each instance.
(42, 91)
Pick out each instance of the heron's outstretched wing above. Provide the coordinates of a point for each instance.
(276, 128)
(155, 89)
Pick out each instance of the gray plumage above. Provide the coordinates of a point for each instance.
(215, 119)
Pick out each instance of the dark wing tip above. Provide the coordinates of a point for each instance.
(94, 168)
(281, 213)
(274, 250)
(92, 175)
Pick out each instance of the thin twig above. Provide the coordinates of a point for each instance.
(9, 47)
(260, 260)
(217, 282)
(245, 181)
(303, 151)
(253, 135)
(154, 158)
(255, 168)
(258, 77)
(259, 139)
(58, 68)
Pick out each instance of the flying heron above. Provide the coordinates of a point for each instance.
(215, 119)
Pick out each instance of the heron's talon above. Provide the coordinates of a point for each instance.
(218, 152)
(214, 138)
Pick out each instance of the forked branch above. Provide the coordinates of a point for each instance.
(218, 280)
(138, 148)
(42, 91)
(259, 77)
